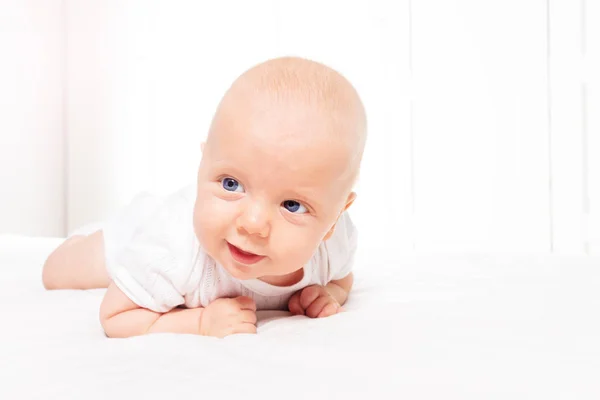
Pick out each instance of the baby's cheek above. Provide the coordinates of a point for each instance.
(297, 248)
(213, 216)
(205, 219)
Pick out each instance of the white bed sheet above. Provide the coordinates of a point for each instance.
(425, 326)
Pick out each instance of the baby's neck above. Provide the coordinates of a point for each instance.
(284, 280)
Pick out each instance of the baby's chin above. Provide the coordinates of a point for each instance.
(245, 272)
(240, 271)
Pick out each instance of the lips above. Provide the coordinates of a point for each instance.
(243, 257)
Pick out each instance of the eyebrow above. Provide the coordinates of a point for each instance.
(224, 164)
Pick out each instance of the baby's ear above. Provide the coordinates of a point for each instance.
(349, 201)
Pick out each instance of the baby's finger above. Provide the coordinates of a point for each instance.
(294, 305)
(246, 303)
(317, 306)
(329, 310)
(308, 296)
(244, 328)
(248, 317)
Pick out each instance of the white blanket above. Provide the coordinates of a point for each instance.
(417, 327)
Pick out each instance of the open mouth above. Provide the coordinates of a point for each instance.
(242, 256)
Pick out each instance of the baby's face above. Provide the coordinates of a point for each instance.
(271, 186)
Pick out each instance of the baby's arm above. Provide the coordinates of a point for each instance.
(341, 288)
(120, 317)
(321, 301)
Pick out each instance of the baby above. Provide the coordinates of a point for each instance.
(264, 227)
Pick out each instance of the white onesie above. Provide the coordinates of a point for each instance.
(154, 257)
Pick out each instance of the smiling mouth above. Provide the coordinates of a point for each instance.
(242, 256)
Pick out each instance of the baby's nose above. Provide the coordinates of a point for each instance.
(255, 220)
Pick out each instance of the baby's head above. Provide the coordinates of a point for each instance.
(278, 167)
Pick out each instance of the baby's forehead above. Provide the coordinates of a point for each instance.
(264, 155)
(297, 150)
(298, 118)
(288, 130)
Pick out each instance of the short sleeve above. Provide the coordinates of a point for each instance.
(341, 248)
(153, 268)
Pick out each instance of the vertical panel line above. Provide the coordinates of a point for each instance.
(64, 115)
(411, 124)
(584, 135)
(153, 56)
(549, 112)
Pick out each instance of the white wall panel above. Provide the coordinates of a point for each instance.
(31, 118)
(567, 135)
(481, 125)
(92, 102)
(592, 118)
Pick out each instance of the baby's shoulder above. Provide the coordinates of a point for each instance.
(344, 235)
(173, 207)
(159, 219)
(181, 199)
(334, 258)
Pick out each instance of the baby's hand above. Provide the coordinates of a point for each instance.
(314, 301)
(225, 317)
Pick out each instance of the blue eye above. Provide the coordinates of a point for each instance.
(293, 206)
(231, 185)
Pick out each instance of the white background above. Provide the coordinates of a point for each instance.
(31, 117)
(484, 122)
